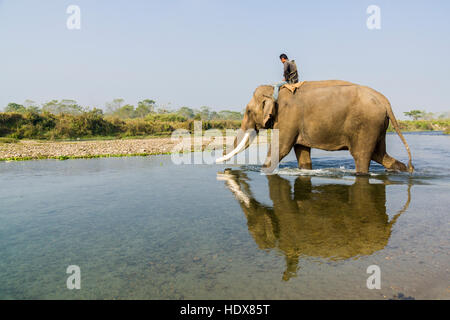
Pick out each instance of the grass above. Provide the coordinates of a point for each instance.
(8, 140)
(423, 125)
(106, 138)
(62, 158)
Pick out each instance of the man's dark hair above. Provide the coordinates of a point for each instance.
(283, 56)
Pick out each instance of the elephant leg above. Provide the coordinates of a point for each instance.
(362, 154)
(362, 163)
(380, 155)
(291, 266)
(285, 144)
(362, 149)
(283, 152)
(303, 155)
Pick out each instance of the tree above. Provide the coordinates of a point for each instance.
(96, 111)
(31, 106)
(113, 106)
(33, 109)
(230, 115)
(126, 112)
(67, 106)
(213, 115)
(165, 108)
(204, 113)
(428, 116)
(144, 108)
(415, 114)
(444, 115)
(186, 112)
(51, 106)
(15, 107)
(28, 103)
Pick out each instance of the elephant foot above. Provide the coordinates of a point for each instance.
(399, 166)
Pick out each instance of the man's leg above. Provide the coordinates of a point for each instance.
(276, 88)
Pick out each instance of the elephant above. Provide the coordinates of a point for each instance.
(334, 222)
(329, 115)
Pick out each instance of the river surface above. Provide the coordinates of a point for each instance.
(145, 228)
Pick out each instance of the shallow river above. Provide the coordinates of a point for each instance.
(145, 228)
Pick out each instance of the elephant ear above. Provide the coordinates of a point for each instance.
(268, 111)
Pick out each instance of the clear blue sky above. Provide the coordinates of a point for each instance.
(214, 53)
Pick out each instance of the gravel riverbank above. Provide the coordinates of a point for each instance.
(34, 149)
(39, 149)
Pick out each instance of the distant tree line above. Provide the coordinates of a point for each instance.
(146, 108)
(62, 119)
(423, 115)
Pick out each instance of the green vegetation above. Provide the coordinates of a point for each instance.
(94, 124)
(425, 121)
(65, 119)
(423, 115)
(416, 114)
(8, 140)
(423, 125)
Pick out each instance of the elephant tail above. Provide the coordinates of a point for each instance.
(397, 129)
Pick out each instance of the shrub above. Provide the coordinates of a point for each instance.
(166, 117)
(9, 122)
(45, 125)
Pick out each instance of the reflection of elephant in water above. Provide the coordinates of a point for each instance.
(331, 221)
(328, 115)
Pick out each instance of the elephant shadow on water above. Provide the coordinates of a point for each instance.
(330, 221)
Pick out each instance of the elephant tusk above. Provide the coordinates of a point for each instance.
(238, 149)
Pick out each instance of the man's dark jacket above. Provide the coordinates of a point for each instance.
(290, 71)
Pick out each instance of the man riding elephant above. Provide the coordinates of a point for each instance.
(329, 115)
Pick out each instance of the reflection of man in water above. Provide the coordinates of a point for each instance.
(331, 221)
